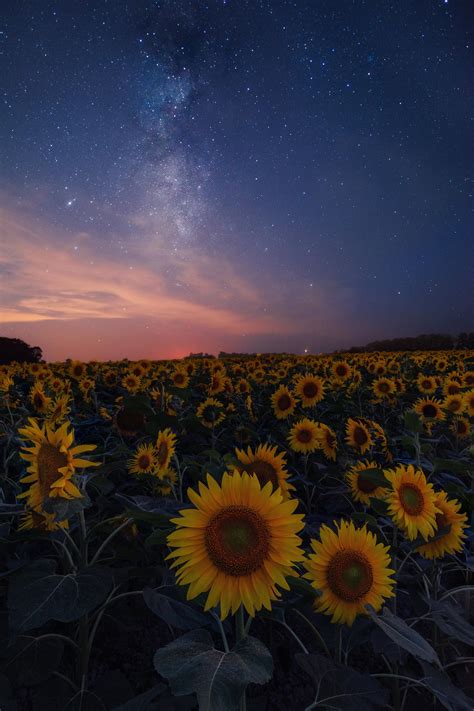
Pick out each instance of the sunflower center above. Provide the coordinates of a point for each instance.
(455, 406)
(365, 485)
(384, 387)
(144, 461)
(341, 370)
(349, 575)
(284, 402)
(264, 472)
(429, 410)
(360, 436)
(330, 439)
(304, 436)
(209, 414)
(411, 499)
(38, 401)
(453, 389)
(426, 384)
(310, 390)
(237, 540)
(50, 459)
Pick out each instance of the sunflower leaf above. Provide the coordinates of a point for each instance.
(406, 637)
(193, 665)
(450, 621)
(449, 696)
(173, 612)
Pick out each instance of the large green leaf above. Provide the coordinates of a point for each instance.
(450, 621)
(450, 696)
(193, 665)
(38, 594)
(406, 637)
(173, 612)
(30, 661)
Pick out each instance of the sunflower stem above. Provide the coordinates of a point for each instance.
(109, 538)
(240, 634)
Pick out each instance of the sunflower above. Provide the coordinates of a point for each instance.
(38, 398)
(453, 540)
(468, 379)
(143, 460)
(43, 521)
(304, 436)
(283, 403)
(411, 501)
(341, 370)
(469, 402)
(452, 387)
(131, 383)
(362, 488)
(165, 482)
(358, 436)
(429, 409)
(383, 388)
(237, 544)
(242, 386)
(266, 465)
(217, 383)
(109, 378)
(129, 421)
(77, 369)
(327, 440)
(310, 388)
(461, 427)
(52, 463)
(351, 570)
(165, 448)
(426, 384)
(210, 412)
(180, 378)
(454, 403)
(59, 409)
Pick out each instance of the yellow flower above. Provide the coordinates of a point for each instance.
(283, 403)
(267, 465)
(358, 436)
(39, 399)
(461, 427)
(304, 436)
(453, 540)
(383, 388)
(210, 412)
(411, 501)
(42, 521)
(362, 488)
(143, 460)
(237, 544)
(426, 384)
(429, 409)
(351, 570)
(165, 448)
(53, 462)
(327, 440)
(454, 403)
(310, 389)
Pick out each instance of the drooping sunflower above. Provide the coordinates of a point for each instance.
(453, 540)
(53, 462)
(267, 465)
(304, 436)
(210, 412)
(237, 544)
(42, 521)
(362, 488)
(165, 448)
(358, 436)
(38, 398)
(310, 389)
(327, 440)
(351, 569)
(143, 460)
(429, 409)
(283, 403)
(411, 501)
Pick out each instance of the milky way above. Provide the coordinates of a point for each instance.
(235, 175)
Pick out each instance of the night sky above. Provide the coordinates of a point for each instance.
(234, 175)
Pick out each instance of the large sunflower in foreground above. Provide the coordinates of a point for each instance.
(453, 540)
(358, 436)
(283, 403)
(53, 462)
(267, 465)
(362, 488)
(237, 544)
(351, 570)
(304, 436)
(411, 501)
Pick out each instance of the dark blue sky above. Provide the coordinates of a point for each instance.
(242, 175)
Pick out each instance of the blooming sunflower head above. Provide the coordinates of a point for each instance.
(429, 409)
(411, 501)
(450, 520)
(210, 412)
(327, 440)
(383, 388)
(283, 403)
(38, 398)
(454, 403)
(165, 448)
(304, 436)
(351, 570)
(341, 370)
(310, 389)
(143, 460)
(180, 378)
(426, 384)
(358, 436)
(266, 465)
(237, 544)
(52, 463)
(461, 427)
(362, 486)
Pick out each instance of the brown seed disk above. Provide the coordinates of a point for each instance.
(349, 575)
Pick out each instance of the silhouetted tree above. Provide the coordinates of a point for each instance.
(14, 349)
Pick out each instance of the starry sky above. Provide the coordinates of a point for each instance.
(238, 175)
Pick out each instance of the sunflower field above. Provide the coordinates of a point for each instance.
(250, 532)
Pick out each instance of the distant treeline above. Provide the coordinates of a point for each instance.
(14, 349)
(425, 342)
